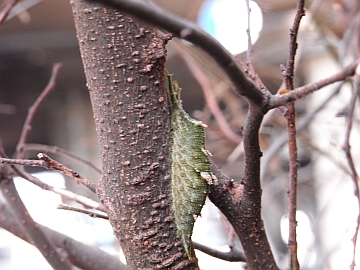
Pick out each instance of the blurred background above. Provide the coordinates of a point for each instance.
(41, 33)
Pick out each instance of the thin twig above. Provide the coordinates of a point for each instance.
(291, 128)
(53, 164)
(300, 92)
(83, 211)
(289, 74)
(68, 194)
(33, 109)
(50, 163)
(346, 148)
(249, 60)
(59, 151)
(234, 255)
(230, 229)
(23, 162)
(301, 124)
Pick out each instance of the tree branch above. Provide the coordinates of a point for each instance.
(53, 164)
(242, 202)
(234, 255)
(33, 109)
(6, 10)
(301, 124)
(50, 163)
(80, 255)
(68, 194)
(346, 148)
(59, 151)
(209, 97)
(83, 211)
(300, 92)
(292, 145)
(33, 232)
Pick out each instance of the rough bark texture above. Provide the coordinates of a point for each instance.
(124, 65)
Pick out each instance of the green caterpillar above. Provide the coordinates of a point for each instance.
(190, 168)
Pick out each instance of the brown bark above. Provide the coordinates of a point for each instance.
(241, 203)
(124, 62)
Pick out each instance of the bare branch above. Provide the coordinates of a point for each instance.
(57, 150)
(23, 162)
(301, 124)
(50, 163)
(6, 10)
(33, 232)
(33, 109)
(289, 72)
(300, 92)
(243, 200)
(53, 164)
(189, 31)
(209, 97)
(80, 255)
(234, 255)
(291, 129)
(68, 194)
(249, 60)
(346, 148)
(83, 211)
(292, 193)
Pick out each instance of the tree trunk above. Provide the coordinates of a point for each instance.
(124, 62)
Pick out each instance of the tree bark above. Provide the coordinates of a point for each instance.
(124, 62)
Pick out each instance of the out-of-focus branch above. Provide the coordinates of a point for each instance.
(83, 211)
(234, 255)
(80, 255)
(189, 31)
(249, 60)
(68, 194)
(289, 72)
(33, 232)
(346, 148)
(209, 97)
(33, 109)
(59, 151)
(6, 10)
